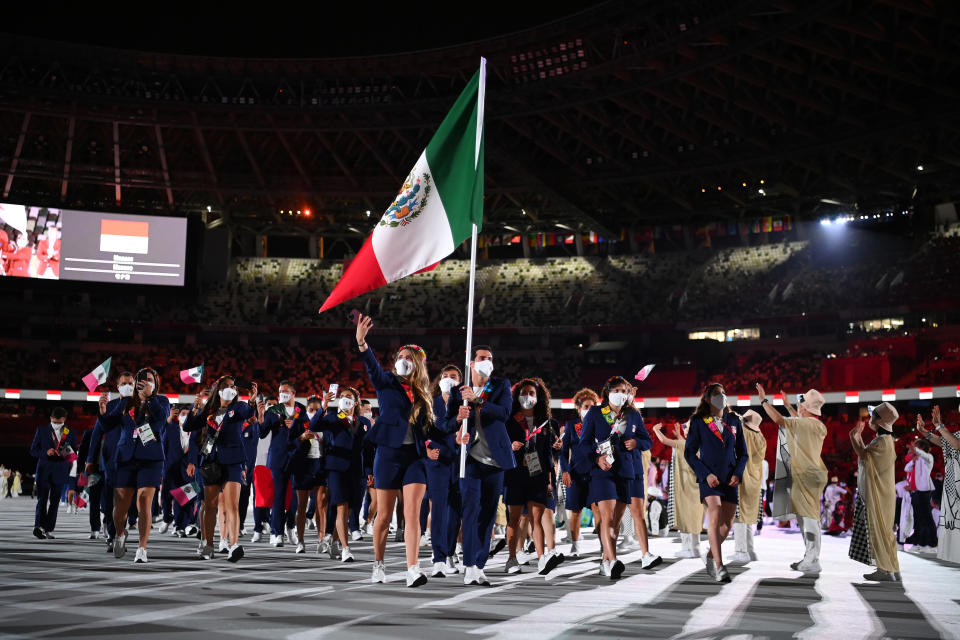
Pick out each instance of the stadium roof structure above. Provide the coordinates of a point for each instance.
(626, 114)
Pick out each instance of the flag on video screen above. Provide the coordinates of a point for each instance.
(124, 236)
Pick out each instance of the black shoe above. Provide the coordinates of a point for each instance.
(616, 569)
(497, 547)
(399, 537)
(109, 545)
(48, 535)
(38, 533)
(530, 548)
(235, 554)
(180, 533)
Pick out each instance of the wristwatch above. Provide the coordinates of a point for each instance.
(764, 400)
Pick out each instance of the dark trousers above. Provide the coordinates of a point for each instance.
(356, 502)
(480, 491)
(48, 502)
(106, 506)
(279, 516)
(245, 490)
(444, 494)
(96, 495)
(924, 528)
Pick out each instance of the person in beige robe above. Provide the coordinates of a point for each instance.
(684, 494)
(749, 509)
(804, 433)
(877, 490)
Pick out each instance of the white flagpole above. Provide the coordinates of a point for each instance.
(467, 373)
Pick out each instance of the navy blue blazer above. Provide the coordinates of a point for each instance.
(441, 439)
(228, 448)
(118, 416)
(723, 458)
(251, 438)
(493, 417)
(103, 448)
(542, 443)
(173, 454)
(54, 469)
(644, 443)
(342, 443)
(596, 429)
(390, 429)
(569, 461)
(278, 455)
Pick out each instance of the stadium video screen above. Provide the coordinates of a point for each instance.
(64, 244)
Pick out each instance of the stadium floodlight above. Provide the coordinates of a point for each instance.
(919, 167)
(826, 222)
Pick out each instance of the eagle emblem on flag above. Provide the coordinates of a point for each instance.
(409, 202)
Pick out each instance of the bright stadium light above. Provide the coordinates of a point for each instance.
(826, 222)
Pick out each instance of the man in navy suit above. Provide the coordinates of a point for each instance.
(102, 458)
(279, 421)
(55, 448)
(490, 453)
(177, 471)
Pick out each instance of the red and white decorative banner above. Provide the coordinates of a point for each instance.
(852, 397)
(778, 399)
(13, 394)
(567, 403)
(638, 403)
(743, 401)
(173, 398)
(888, 395)
(673, 403)
(93, 397)
(54, 395)
(925, 393)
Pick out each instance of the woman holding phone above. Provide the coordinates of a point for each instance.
(406, 416)
(221, 458)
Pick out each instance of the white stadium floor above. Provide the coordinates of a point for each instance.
(71, 588)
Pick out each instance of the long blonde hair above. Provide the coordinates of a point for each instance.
(419, 380)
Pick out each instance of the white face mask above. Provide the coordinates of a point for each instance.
(402, 367)
(310, 414)
(719, 401)
(484, 368)
(228, 394)
(583, 412)
(528, 402)
(126, 390)
(285, 397)
(182, 420)
(447, 385)
(345, 403)
(57, 425)
(618, 399)
(368, 415)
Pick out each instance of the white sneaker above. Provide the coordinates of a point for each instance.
(256, 536)
(575, 549)
(740, 558)
(141, 557)
(452, 568)
(276, 541)
(356, 535)
(649, 561)
(224, 546)
(439, 570)
(470, 576)
(605, 568)
(630, 542)
(424, 540)
(369, 528)
(686, 553)
(292, 535)
(459, 548)
(711, 567)
(482, 579)
(164, 527)
(512, 566)
(120, 545)
(548, 562)
(379, 572)
(93, 535)
(311, 525)
(324, 546)
(809, 567)
(415, 577)
(300, 548)
(346, 555)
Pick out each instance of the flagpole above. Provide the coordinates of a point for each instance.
(468, 374)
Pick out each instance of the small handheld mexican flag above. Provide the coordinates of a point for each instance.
(192, 376)
(436, 208)
(186, 493)
(98, 376)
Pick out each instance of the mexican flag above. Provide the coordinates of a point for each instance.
(98, 376)
(436, 208)
(192, 376)
(186, 493)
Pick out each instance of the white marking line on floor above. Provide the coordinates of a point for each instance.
(600, 603)
(933, 587)
(188, 610)
(322, 632)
